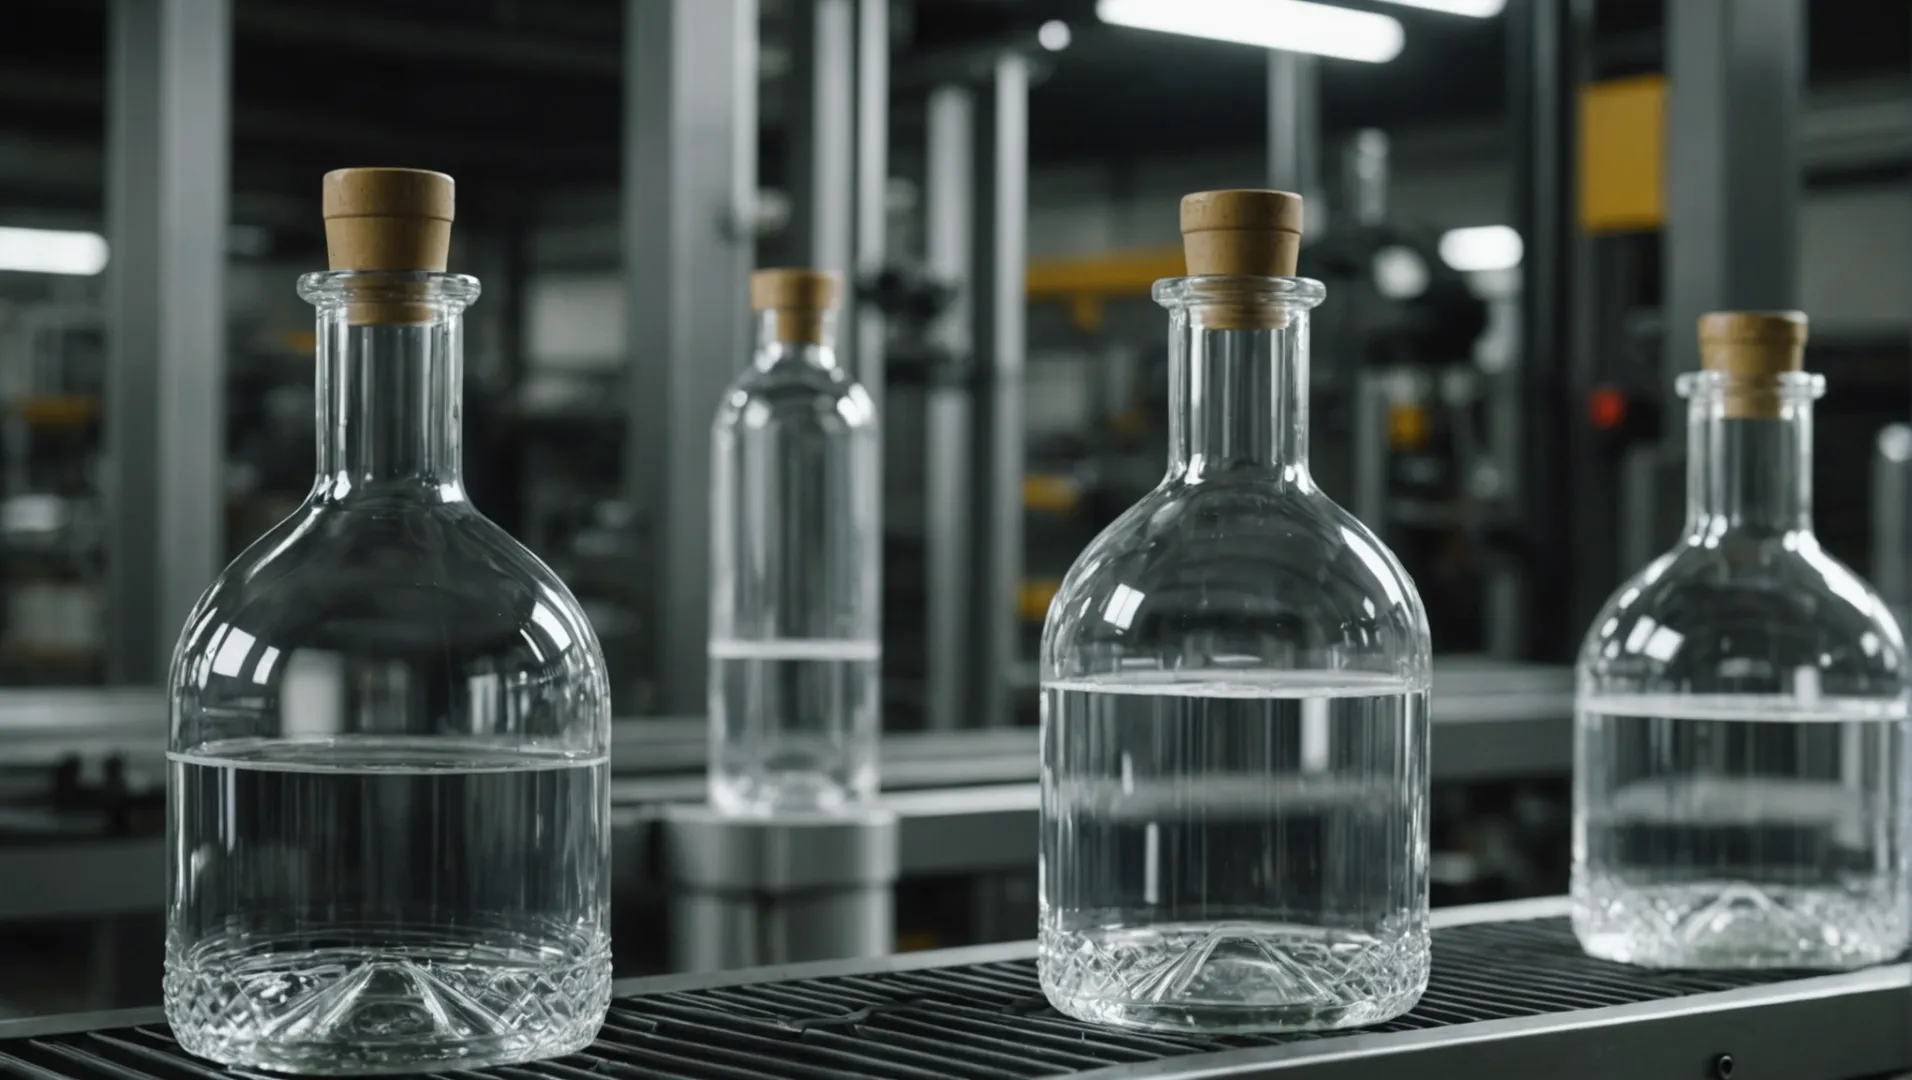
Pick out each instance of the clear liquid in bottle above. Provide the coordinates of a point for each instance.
(1226, 855)
(374, 907)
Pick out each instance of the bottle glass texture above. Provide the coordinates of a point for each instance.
(1740, 726)
(794, 643)
(1235, 718)
(390, 727)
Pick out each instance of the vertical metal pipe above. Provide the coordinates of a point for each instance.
(168, 184)
(1544, 88)
(949, 201)
(1294, 123)
(823, 135)
(690, 175)
(872, 184)
(999, 308)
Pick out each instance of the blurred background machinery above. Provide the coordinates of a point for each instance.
(1507, 217)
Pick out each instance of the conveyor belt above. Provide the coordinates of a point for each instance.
(1511, 995)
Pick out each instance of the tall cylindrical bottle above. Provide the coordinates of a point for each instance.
(389, 809)
(795, 555)
(1235, 698)
(1740, 787)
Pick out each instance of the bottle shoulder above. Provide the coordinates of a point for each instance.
(792, 393)
(1747, 615)
(1270, 574)
(437, 587)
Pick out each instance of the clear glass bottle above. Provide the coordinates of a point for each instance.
(1740, 794)
(795, 556)
(390, 724)
(1740, 787)
(1235, 698)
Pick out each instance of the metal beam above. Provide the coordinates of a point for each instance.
(1736, 70)
(949, 202)
(690, 175)
(1544, 78)
(169, 74)
(999, 303)
(823, 134)
(872, 186)
(1294, 123)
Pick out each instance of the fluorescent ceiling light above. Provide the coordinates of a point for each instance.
(1054, 35)
(1292, 25)
(1482, 247)
(1478, 9)
(50, 251)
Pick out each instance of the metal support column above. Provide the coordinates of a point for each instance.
(872, 188)
(1294, 124)
(823, 134)
(999, 307)
(949, 198)
(690, 175)
(1545, 75)
(1736, 72)
(168, 139)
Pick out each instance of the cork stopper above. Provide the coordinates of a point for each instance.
(1752, 349)
(387, 219)
(799, 297)
(1247, 233)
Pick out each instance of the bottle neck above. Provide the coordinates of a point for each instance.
(390, 396)
(1748, 475)
(808, 340)
(1238, 399)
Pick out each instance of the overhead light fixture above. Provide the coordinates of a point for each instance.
(1290, 25)
(52, 251)
(1475, 9)
(1054, 35)
(1482, 247)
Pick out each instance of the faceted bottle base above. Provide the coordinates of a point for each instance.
(1736, 925)
(1232, 978)
(346, 1011)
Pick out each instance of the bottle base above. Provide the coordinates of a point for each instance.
(1232, 978)
(1739, 925)
(342, 1011)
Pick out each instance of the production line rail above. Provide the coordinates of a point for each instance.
(1510, 996)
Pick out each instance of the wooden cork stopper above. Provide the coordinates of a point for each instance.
(387, 219)
(1752, 349)
(799, 298)
(1249, 234)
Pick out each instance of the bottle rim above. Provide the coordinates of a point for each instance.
(1277, 294)
(326, 289)
(1792, 387)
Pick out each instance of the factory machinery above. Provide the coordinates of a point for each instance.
(1511, 995)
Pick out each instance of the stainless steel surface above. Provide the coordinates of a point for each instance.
(872, 192)
(949, 202)
(999, 306)
(822, 135)
(747, 891)
(1294, 124)
(169, 73)
(690, 174)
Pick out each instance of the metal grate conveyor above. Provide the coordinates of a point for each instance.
(1511, 995)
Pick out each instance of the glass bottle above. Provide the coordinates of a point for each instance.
(1740, 788)
(1235, 698)
(796, 542)
(390, 723)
